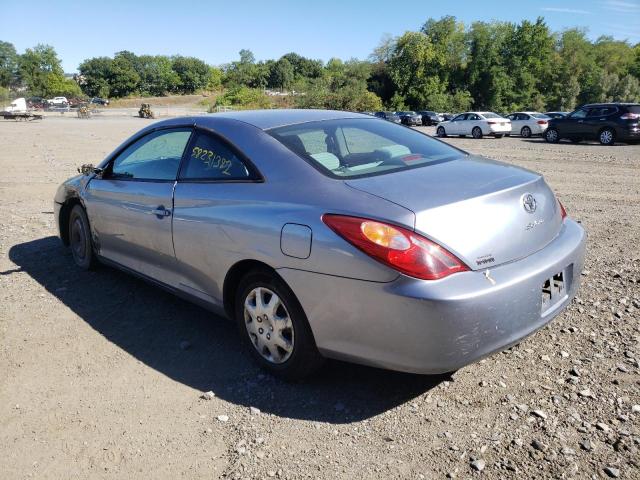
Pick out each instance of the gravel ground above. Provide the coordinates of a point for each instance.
(102, 375)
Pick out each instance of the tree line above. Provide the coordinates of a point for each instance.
(444, 66)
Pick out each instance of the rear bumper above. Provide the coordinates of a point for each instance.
(438, 326)
(500, 129)
(631, 133)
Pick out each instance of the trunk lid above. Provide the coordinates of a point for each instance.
(474, 207)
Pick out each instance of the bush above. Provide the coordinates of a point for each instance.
(243, 97)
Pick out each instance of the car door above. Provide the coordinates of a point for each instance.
(473, 120)
(455, 126)
(130, 205)
(596, 120)
(573, 125)
(216, 185)
(514, 123)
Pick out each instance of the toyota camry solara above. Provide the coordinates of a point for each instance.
(331, 234)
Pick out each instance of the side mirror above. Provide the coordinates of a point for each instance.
(88, 169)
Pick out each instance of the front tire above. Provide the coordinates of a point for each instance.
(552, 135)
(525, 132)
(476, 133)
(80, 239)
(607, 136)
(440, 132)
(274, 327)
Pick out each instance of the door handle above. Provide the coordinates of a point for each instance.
(161, 212)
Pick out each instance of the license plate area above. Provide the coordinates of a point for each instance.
(554, 290)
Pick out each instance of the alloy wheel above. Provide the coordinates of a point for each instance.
(269, 325)
(606, 137)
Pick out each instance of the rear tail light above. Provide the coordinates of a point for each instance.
(563, 212)
(630, 116)
(396, 247)
(541, 122)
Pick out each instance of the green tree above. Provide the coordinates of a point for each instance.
(415, 73)
(193, 73)
(58, 85)
(35, 65)
(487, 78)
(282, 74)
(157, 76)
(123, 78)
(95, 73)
(215, 79)
(8, 64)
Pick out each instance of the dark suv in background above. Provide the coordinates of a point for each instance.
(605, 122)
(430, 118)
(392, 117)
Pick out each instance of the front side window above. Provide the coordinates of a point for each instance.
(579, 113)
(211, 158)
(459, 117)
(348, 148)
(154, 157)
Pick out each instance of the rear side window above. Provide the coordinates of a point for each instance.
(350, 148)
(211, 158)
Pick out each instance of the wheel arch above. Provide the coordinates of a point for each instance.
(234, 276)
(63, 219)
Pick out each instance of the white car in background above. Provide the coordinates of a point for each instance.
(476, 124)
(528, 123)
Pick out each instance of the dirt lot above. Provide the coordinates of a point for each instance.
(95, 380)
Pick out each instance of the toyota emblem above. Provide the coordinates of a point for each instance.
(529, 203)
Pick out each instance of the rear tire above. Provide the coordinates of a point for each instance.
(440, 132)
(607, 136)
(476, 133)
(551, 135)
(279, 338)
(525, 132)
(80, 239)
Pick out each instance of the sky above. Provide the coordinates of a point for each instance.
(215, 31)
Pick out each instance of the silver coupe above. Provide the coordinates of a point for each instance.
(329, 234)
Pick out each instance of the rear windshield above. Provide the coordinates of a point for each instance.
(349, 148)
(491, 115)
(634, 108)
(539, 115)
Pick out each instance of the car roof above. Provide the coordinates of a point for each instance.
(607, 104)
(266, 119)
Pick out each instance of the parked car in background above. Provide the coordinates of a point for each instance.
(556, 114)
(605, 122)
(387, 247)
(476, 124)
(390, 116)
(410, 118)
(36, 102)
(99, 101)
(58, 102)
(447, 116)
(430, 118)
(528, 123)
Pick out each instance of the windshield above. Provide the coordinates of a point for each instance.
(362, 147)
(490, 115)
